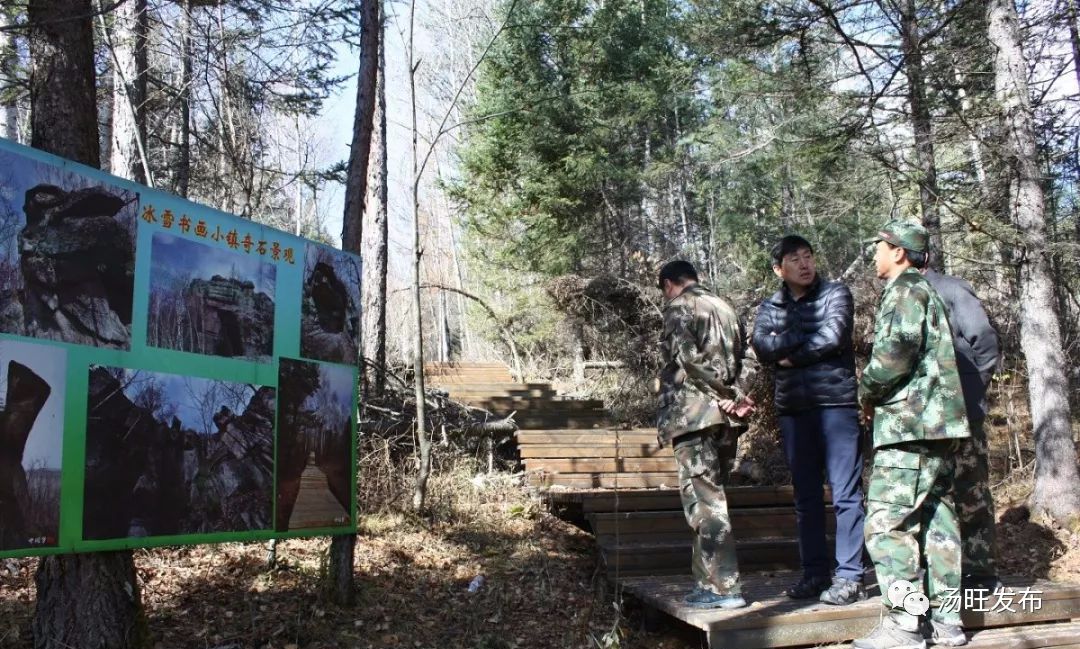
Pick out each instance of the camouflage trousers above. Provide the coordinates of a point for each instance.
(975, 505)
(911, 522)
(704, 457)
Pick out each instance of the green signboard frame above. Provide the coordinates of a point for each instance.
(169, 373)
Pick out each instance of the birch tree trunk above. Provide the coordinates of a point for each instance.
(1057, 482)
(128, 38)
(9, 113)
(420, 488)
(83, 600)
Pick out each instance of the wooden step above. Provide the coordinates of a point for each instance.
(603, 465)
(774, 620)
(640, 450)
(754, 555)
(746, 523)
(1059, 635)
(604, 480)
(578, 437)
(542, 421)
(540, 405)
(660, 499)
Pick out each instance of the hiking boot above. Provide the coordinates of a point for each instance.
(808, 587)
(844, 592)
(943, 635)
(701, 598)
(895, 631)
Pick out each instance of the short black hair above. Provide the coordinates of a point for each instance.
(789, 244)
(678, 272)
(917, 258)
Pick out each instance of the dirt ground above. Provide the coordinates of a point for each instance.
(542, 588)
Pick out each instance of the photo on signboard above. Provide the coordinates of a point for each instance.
(67, 255)
(315, 478)
(169, 455)
(32, 383)
(210, 300)
(330, 318)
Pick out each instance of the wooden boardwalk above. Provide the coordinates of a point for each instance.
(773, 620)
(316, 505)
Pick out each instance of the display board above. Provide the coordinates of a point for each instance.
(169, 373)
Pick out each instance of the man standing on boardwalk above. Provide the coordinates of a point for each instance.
(976, 346)
(804, 331)
(703, 399)
(911, 391)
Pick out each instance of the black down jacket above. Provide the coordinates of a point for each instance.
(814, 333)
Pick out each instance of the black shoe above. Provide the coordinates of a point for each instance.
(808, 587)
(844, 592)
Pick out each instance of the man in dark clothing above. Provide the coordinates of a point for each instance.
(976, 345)
(804, 331)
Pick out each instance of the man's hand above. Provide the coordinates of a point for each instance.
(745, 408)
(785, 362)
(727, 405)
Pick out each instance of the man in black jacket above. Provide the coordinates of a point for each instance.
(804, 332)
(976, 345)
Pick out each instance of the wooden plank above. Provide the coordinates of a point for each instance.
(754, 555)
(603, 465)
(605, 480)
(585, 422)
(776, 621)
(753, 496)
(576, 437)
(1060, 635)
(745, 522)
(624, 449)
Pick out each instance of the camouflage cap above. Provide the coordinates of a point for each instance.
(903, 234)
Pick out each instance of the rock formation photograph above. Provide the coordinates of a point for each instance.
(31, 439)
(67, 257)
(210, 300)
(315, 478)
(330, 322)
(169, 454)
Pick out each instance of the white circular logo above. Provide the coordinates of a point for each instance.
(916, 603)
(899, 590)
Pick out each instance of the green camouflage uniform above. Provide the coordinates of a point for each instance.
(913, 385)
(705, 359)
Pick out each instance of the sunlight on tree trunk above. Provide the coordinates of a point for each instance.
(1057, 483)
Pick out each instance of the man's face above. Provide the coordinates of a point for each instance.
(670, 289)
(886, 259)
(797, 268)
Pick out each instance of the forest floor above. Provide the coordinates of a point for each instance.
(542, 587)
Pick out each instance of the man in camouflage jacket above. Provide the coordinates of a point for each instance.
(703, 399)
(911, 390)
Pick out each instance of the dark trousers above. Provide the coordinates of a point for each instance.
(816, 442)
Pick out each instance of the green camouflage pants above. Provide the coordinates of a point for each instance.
(911, 522)
(975, 505)
(703, 457)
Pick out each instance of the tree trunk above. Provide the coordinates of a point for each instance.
(356, 183)
(340, 586)
(86, 600)
(1057, 483)
(342, 547)
(920, 123)
(183, 162)
(9, 113)
(128, 38)
(375, 266)
(420, 488)
(378, 232)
